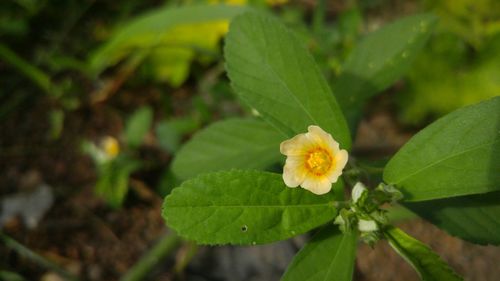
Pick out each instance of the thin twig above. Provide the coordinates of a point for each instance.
(110, 87)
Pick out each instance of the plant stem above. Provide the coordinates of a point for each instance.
(318, 23)
(112, 86)
(190, 251)
(27, 253)
(163, 248)
(10, 276)
(33, 73)
(341, 204)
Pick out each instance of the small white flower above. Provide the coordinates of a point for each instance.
(367, 225)
(314, 160)
(357, 191)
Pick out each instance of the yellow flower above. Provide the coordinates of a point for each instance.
(314, 160)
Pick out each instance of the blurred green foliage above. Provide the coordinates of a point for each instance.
(171, 38)
(459, 65)
(137, 126)
(474, 21)
(165, 44)
(115, 162)
(58, 54)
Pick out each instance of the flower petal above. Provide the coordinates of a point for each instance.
(332, 144)
(340, 160)
(295, 146)
(294, 171)
(333, 177)
(317, 186)
(316, 135)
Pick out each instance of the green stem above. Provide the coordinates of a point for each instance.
(34, 74)
(162, 249)
(27, 253)
(10, 276)
(124, 73)
(319, 16)
(370, 169)
(341, 204)
(190, 251)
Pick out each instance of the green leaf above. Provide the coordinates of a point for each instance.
(170, 132)
(244, 208)
(328, 256)
(138, 125)
(112, 183)
(149, 29)
(232, 143)
(456, 155)
(380, 60)
(397, 213)
(272, 71)
(428, 264)
(475, 218)
(171, 58)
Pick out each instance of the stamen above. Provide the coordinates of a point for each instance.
(318, 161)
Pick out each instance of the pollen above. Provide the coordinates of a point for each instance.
(318, 161)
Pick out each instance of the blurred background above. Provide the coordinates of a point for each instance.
(95, 104)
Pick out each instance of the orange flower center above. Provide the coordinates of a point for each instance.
(318, 161)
